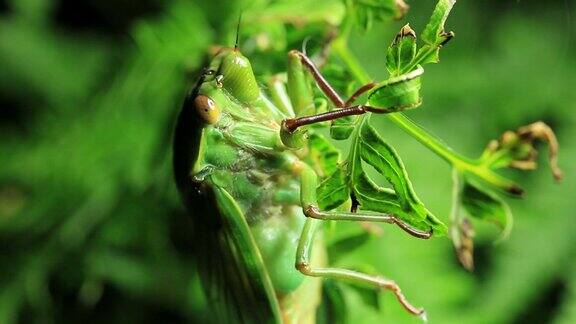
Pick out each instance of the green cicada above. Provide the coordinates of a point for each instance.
(242, 166)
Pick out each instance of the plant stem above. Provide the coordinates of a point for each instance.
(430, 141)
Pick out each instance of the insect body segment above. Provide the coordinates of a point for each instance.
(251, 192)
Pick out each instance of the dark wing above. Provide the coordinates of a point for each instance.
(186, 142)
(232, 270)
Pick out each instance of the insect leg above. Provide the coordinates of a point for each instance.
(307, 63)
(303, 264)
(292, 124)
(363, 89)
(279, 96)
(309, 182)
(323, 84)
(301, 95)
(313, 212)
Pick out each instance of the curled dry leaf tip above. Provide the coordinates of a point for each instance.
(541, 131)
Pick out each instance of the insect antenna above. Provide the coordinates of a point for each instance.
(304, 44)
(238, 32)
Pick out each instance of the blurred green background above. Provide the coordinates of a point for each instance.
(91, 228)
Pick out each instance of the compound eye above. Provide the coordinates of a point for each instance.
(207, 109)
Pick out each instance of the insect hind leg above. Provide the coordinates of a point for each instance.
(303, 264)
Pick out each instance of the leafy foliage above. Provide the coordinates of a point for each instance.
(401, 91)
(367, 12)
(402, 51)
(486, 206)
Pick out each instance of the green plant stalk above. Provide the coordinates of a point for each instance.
(464, 165)
(455, 209)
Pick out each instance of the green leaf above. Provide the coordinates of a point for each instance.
(333, 191)
(333, 308)
(341, 128)
(323, 154)
(402, 50)
(383, 200)
(369, 11)
(402, 57)
(386, 161)
(397, 93)
(485, 205)
(434, 33)
(401, 201)
(375, 198)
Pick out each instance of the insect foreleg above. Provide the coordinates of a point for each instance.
(322, 83)
(326, 88)
(301, 95)
(279, 96)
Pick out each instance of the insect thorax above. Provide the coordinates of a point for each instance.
(267, 192)
(263, 184)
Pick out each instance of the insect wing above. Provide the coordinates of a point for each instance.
(235, 281)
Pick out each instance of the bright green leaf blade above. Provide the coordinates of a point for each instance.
(342, 128)
(333, 191)
(402, 51)
(398, 93)
(381, 156)
(433, 36)
(375, 198)
(485, 205)
(323, 154)
(428, 54)
(433, 33)
(369, 11)
(372, 197)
